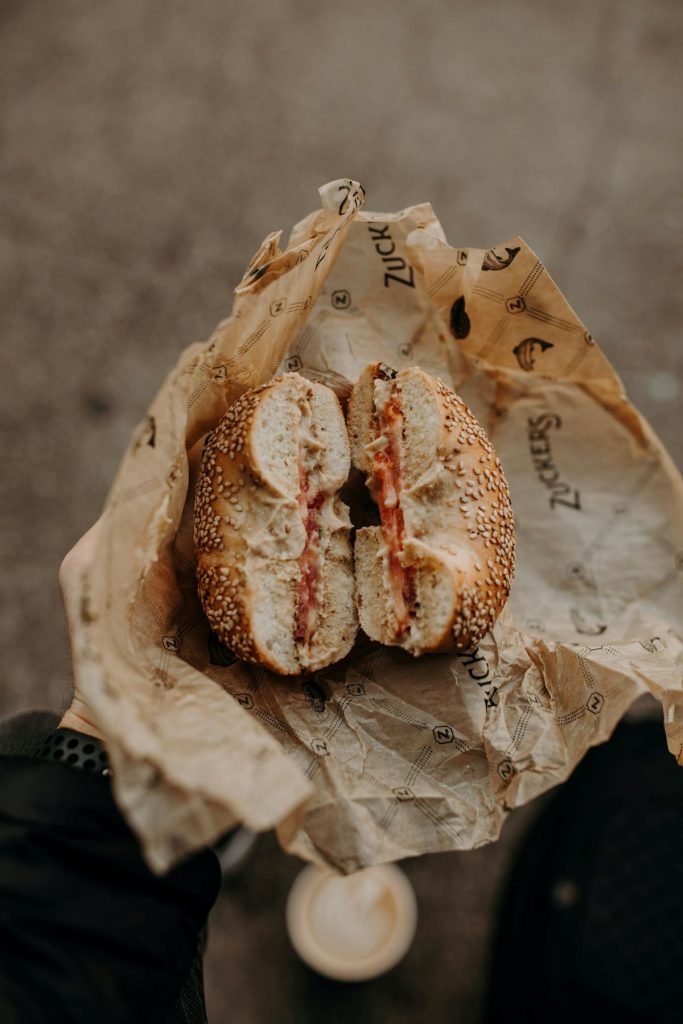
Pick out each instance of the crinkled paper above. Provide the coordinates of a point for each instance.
(383, 756)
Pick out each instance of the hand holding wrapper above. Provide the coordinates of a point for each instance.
(384, 756)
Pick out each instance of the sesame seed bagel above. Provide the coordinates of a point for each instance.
(274, 564)
(437, 572)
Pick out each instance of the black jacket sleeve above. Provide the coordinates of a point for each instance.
(87, 933)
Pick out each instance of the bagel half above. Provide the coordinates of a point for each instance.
(274, 564)
(437, 572)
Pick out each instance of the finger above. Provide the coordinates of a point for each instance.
(73, 581)
(78, 716)
(80, 556)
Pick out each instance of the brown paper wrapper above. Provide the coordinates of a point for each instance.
(383, 756)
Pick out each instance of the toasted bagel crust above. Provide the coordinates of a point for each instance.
(249, 531)
(459, 525)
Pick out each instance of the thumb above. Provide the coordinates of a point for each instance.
(74, 567)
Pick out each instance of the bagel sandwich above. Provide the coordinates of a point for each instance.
(274, 561)
(436, 572)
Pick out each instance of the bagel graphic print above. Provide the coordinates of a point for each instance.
(524, 351)
(492, 261)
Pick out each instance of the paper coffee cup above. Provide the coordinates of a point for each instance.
(352, 928)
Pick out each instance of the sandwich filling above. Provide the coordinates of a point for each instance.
(311, 500)
(386, 471)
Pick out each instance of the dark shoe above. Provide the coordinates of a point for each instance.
(591, 921)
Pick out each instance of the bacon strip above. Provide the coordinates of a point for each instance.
(387, 471)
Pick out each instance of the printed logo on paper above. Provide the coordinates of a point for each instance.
(516, 304)
(352, 195)
(397, 269)
(595, 702)
(494, 261)
(480, 673)
(540, 449)
(443, 734)
(526, 350)
(341, 299)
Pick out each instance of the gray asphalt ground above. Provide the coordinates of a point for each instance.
(148, 146)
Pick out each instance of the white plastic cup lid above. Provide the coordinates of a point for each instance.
(352, 928)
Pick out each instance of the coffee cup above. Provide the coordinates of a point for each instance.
(353, 927)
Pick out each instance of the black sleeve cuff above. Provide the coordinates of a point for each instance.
(86, 931)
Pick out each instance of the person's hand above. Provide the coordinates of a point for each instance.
(78, 715)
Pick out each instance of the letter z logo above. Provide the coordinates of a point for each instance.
(443, 734)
